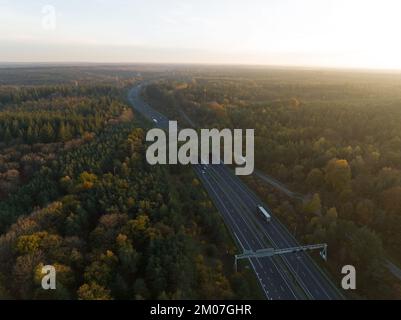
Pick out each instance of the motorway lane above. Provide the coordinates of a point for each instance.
(273, 280)
(250, 215)
(157, 118)
(306, 272)
(237, 203)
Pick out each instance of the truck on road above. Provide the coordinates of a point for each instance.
(263, 213)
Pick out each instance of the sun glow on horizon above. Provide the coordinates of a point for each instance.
(340, 33)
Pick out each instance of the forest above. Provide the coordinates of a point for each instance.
(331, 136)
(77, 193)
(76, 190)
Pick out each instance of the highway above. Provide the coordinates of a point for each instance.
(286, 277)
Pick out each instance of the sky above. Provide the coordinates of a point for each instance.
(330, 33)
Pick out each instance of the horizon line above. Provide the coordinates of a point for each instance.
(208, 64)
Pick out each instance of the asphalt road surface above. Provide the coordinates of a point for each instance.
(286, 277)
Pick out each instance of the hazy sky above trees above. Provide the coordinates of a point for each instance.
(338, 33)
